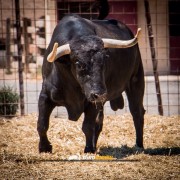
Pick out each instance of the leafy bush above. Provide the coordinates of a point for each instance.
(8, 101)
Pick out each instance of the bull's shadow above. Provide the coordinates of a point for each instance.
(125, 151)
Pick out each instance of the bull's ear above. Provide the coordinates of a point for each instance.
(58, 52)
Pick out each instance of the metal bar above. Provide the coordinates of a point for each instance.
(8, 59)
(26, 44)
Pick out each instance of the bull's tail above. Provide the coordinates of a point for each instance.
(103, 8)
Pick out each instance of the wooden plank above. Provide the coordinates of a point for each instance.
(153, 56)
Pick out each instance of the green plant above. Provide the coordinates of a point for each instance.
(8, 101)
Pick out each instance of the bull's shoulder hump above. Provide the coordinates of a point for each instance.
(68, 21)
(71, 27)
(73, 18)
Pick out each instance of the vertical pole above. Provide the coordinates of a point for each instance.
(47, 25)
(20, 64)
(26, 44)
(8, 59)
(153, 56)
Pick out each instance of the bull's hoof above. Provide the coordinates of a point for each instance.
(89, 150)
(139, 149)
(140, 146)
(45, 148)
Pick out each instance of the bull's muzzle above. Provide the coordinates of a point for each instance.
(98, 98)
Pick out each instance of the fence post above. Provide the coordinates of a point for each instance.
(20, 64)
(26, 44)
(8, 39)
(153, 56)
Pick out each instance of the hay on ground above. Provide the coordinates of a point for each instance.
(19, 157)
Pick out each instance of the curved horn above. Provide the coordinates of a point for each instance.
(113, 43)
(58, 52)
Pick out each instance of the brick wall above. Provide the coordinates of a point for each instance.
(125, 11)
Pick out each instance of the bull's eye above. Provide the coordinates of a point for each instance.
(80, 65)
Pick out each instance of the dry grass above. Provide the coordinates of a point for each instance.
(19, 157)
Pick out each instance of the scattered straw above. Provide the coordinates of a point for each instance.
(19, 157)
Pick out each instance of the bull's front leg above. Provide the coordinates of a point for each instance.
(92, 126)
(45, 109)
(98, 125)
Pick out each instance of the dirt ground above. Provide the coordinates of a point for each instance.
(116, 158)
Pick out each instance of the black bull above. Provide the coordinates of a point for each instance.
(85, 78)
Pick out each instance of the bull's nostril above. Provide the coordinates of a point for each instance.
(94, 96)
(98, 97)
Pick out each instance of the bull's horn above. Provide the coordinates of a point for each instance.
(113, 43)
(58, 52)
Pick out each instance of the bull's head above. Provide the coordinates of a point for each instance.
(88, 55)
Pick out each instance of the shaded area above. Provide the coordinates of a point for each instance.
(125, 151)
(120, 153)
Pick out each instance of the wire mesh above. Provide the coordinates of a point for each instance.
(38, 19)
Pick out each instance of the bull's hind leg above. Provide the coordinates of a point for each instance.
(92, 126)
(137, 111)
(45, 109)
(135, 93)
